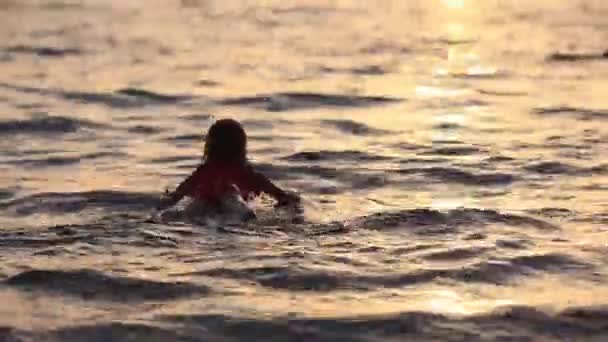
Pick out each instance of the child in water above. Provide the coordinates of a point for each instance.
(225, 169)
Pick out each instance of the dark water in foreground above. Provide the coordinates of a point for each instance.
(451, 156)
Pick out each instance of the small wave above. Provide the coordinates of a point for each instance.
(49, 162)
(43, 51)
(59, 31)
(333, 180)
(334, 155)
(448, 126)
(595, 187)
(479, 74)
(456, 41)
(453, 151)
(579, 113)
(382, 46)
(353, 127)
(499, 159)
(186, 138)
(6, 194)
(305, 9)
(456, 254)
(144, 129)
(424, 161)
(262, 124)
(405, 146)
(208, 83)
(599, 219)
(552, 212)
(18, 241)
(498, 271)
(59, 5)
(46, 125)
(304, 279)
(556, 168)
(597, 314)
(503, 271)
(513, 243)
(552, 261)
(119, 331)
(294, 101)
(62, 160)
(279, 171)
(500, 93)
(152, 96)
(198, 117)
(454, 175)
(509, 323)
(172, 159)
(90, 284)
(577, 57)
(457, 217)
(123, 98)
(77, 201)
(289, 278)
(442, 141)
(506, 323)
(369, 70)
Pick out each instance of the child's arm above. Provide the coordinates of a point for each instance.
(185, 188)
(283, 197)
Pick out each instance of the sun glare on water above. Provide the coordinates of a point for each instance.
(454, 3)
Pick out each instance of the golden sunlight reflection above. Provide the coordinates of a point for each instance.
(462, 60)
(444, 163)
(456, 31)
(454, 4)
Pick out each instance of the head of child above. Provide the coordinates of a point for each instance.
(226, 142)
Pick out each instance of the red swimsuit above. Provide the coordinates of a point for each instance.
(212, 180)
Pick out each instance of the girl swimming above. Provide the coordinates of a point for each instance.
(225, 168)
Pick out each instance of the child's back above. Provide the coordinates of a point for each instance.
(225, 166)
(211, 180)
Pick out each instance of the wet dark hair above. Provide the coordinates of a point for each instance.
(226, 141)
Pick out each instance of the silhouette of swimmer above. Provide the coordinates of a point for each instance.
(224, 171)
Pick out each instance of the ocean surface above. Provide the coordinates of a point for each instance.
(451, 156)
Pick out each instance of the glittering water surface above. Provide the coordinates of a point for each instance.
(450, 155)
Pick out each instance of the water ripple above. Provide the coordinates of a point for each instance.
(91, 284)
(577, 57)
(455, 175)
(421, 218)
(353, 127)
(43, 51)
(578, 113)
(334, 156)
(43, 124)
(293, 101)
(122, 98)
(58, 202)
